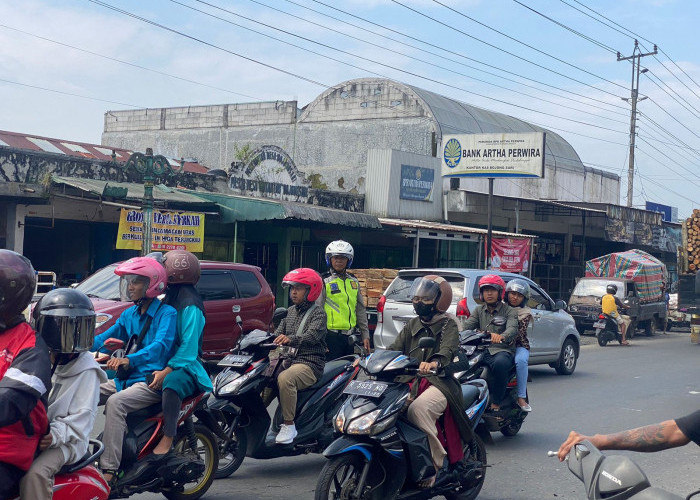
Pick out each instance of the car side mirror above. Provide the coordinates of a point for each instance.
(74, 285)
(560, 304)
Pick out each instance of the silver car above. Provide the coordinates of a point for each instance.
(553, 336)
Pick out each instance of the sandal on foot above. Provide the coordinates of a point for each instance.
(426, 484)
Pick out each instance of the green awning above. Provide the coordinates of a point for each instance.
(243, 208)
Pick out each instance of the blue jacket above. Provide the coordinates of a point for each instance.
(190, 327)
(158, 343)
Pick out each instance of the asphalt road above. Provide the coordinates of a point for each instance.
(613, 388)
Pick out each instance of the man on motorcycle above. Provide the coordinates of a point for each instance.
(656, 437)
(149, 328)
(303, 330)
(184, 375)
(65, 319)
(343, 302)
(609, 304)
(431, 296)
(25, 373)
(499, 356)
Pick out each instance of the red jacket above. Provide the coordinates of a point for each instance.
(25, 380)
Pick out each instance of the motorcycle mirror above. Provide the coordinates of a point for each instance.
(239, 321)
(426, 343)
(498, 321)
(113, 344)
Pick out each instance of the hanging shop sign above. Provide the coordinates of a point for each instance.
(510, 255)
(416, 183)
(494, 155)
(169, 230)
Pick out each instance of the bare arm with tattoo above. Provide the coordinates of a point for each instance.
(655, 437)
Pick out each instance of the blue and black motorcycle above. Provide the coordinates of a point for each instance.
(381, 455)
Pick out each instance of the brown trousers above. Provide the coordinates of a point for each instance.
(293, 379)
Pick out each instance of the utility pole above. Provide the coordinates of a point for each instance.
(635, 57)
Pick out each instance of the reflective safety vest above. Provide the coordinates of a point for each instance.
(341, 302)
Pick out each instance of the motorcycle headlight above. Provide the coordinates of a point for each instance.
(363, 424)
(473, 361)
(235, 384)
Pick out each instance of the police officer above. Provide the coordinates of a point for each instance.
(344, 305)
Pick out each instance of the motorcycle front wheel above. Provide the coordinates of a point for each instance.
(474, 453)
(339, 477)
(204, 448)
(231, 453)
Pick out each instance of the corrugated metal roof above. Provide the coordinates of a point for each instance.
(79, 149)
(134, 191)
(244, 208)
(447, 228)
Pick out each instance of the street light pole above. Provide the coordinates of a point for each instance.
(151, 167)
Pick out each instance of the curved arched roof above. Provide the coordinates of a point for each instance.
(455, 117)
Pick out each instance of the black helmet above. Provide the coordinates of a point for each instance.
(611, 288)
(17, 286)
(65, 319)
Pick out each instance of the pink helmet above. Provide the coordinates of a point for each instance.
(306, 277)
(148, 268)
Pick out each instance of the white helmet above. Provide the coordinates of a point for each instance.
(339, 247)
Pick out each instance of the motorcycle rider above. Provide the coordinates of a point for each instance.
(517, 295)
(65, 319)
(343, 301)
(655, 437)
(609, 303)
(152, 325)
(25, 373)
(499, 356)
(431, 296)
(303, 329)
(184, 374)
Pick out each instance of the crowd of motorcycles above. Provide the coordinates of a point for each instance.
(353, 415)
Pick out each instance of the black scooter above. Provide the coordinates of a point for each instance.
(613, 477)
(606, 330)
(380, 455)
(238, 397)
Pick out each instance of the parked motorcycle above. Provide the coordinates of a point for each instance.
(606, 330)
(238, 400)
(81, 480)
(613, 477)
(509, 418)
(188, 473)
(381, 455)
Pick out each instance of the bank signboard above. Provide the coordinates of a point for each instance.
(417, 183)
(494, 155)
(169, 230)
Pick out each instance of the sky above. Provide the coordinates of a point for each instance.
(65, 63)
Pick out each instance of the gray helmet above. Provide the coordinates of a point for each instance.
(521, 286)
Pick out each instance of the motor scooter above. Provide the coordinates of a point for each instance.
(381, 455)
(612, 477)
(606, 330)
(81, 480)
(187, 473)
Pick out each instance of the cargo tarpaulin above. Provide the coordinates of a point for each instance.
(646, 270)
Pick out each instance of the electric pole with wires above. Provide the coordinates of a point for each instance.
(636, 59)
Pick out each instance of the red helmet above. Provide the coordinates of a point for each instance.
(305, 277)
(494, 281)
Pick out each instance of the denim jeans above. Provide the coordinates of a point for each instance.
(522, 356)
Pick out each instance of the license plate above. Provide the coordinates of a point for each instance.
(235, 360)
(367, 388)
(599, 324)
(469, 349)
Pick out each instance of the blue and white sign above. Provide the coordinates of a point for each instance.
(494, 155)
(417, 183)
(665, 210)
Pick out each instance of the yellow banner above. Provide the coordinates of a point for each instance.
(169, 230)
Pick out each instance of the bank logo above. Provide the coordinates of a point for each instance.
(418, 174)
(453, 153)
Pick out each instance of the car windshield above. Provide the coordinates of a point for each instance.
(595, 288)
(104, 284)
(399, 289)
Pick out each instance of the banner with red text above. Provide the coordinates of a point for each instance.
(510, 255)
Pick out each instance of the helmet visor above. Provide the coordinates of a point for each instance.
(424, 290)
(67, 333)
(132, 287)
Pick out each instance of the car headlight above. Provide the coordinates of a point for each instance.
(473, 361)
(101, 319)
(363, 424)
(573, 308)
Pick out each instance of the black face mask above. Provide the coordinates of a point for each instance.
(425, 310)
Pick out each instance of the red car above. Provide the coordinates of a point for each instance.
(228, 290)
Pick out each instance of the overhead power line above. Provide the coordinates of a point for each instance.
(56, 91)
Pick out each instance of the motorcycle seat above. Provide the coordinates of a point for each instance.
(331, 369)
(469, 394)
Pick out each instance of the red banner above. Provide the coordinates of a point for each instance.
(510, 254)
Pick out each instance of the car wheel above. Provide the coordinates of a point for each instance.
(567, 358)
(632, 329)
